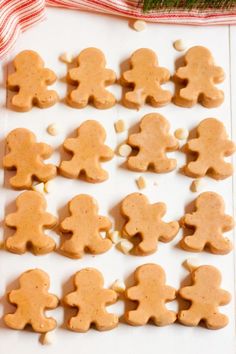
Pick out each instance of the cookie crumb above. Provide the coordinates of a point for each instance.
(180, 45)
(120, 126)
(181, 134)
(114, 236)
(125, 246)
(191, 263)
(196, 185)
(48, 186)
(118, 286)
(39, 187)
(139, 25)
(141, 182)
(125, 150)
(66, 58)
(52, 129)
(47, 338)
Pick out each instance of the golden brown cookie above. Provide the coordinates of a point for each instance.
(151, 293)
(30, 80)
(205, 295)
(208, 222)
(29, 222)
(145, 220)
(26, 157)
(92, 77)
(145, 79)
(84, 224)
(152, 142)
(91, 299)
(199, 76)
(32, 299)
(88, 151)
(209, 150)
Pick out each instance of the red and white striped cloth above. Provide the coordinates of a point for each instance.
(18, 15)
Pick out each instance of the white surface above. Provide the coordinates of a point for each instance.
(71, 32)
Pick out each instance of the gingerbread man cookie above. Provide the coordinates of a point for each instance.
(92, 77)
(151, 293)
(32, 299)
(145, 220)
(26, 157)
(145, 78)
(208, 222)
(30, 80)
(85, 226)
(29, 221)
(209, 149)
(153, 141)
(205, 296)
(91, 299)
(199, 76)
(88, 151)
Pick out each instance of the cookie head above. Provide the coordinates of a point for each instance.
(26, 59)
(35, 279)
(150, 271)
(155, 122)
(19, 136)
(207, 274)
(88, 277)
(133, 202)
(211, 127)
(144, 56)
(83, 205)
(30, 200)
(93, 130)
(92, 57)
(199, 54)
(210, 200)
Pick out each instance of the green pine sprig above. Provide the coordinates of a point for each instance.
(187, 4)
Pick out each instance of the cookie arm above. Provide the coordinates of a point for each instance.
(182, 73)
(49, 220)
(229, 147)
(109, 76)
(127, 76)
(49, 76)
(172, 143)
(9, 161)
(106, 153)
(70, 144)
(186, 292)
(74, 73)
(104, 223)
(44, 150)
(170, 293)
(52, 301)
(162, 75)
(133, 293)
(227, 223)
(193, 145)
(134, 139)
(110, 296)
(224, 297)
(12, 220)
(218, 74)
(13, 81)
(66, 225)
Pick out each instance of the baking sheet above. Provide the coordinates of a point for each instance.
(73, 31)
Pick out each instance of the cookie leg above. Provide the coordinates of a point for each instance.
(161, 98)
(189, 317)
(194, 243)
(43, 325)
(220, 245)
(95, 174)
(147, 246)
(216, 321)
(212, 97)
(15, 321)
(46, 99)
(106, 321)
(22, 102)
(138, 163)
(15, 244)
(99, 245)
(196, 168)
(21, 180)
(46, 173)
(164, 165)
(137, 317)
(80, 323)
(104, 99)
(73, 248)
(78, 98)
(135, 99)
(43, 244)
(165, 318)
